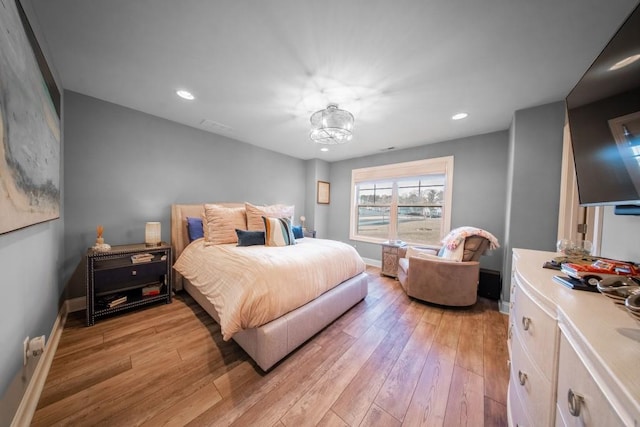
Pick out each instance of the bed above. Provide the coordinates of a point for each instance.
(268, 343)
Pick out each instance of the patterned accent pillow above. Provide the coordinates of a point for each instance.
(255, 214)
(453, 254)
(250, 238)
(220, 223)
(278, 232)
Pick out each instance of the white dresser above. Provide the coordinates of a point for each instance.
(574, 355)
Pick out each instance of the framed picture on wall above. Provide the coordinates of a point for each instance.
(30, 117)
(324, 195)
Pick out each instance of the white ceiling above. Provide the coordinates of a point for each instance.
(260, 68)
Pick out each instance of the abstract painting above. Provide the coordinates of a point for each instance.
(29, 126)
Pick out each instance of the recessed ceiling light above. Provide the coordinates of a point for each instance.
(185, 94)
(459, 116)
(324, 149)
(623, 63)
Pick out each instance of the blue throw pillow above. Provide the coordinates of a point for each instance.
(250, 238)
(297, 231)
(194, 228)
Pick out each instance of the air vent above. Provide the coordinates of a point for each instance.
(215, 126)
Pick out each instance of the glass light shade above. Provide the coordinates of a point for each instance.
(331, 126)
(152, 234)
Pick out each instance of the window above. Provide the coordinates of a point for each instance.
(405, 201)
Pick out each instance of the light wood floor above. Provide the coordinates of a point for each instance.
(389, 361)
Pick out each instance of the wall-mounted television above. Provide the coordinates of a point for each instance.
(604, 122)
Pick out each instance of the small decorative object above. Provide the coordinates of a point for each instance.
(570, 248)
(152, 234)
(324, 196)
(100, 245)
(99, 231)
(302, 220)
(562, 244)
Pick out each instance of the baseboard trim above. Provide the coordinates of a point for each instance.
(29, 401)
(372, 262)
(503, 306)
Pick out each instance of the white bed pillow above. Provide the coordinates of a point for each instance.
(255, 214)
(220, 223)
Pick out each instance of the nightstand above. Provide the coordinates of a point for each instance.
(309, 233)
(115, 283)
(390, 258)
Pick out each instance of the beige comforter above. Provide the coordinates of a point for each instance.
(250, 286)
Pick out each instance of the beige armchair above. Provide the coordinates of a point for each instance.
(440, 281)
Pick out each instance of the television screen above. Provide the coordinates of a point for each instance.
(604, 122)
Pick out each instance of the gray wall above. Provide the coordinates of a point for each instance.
(30, 261)
(124, 168)
(534, 182)
(317, 214)
(479, 187)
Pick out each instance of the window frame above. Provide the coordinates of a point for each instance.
(393, 172)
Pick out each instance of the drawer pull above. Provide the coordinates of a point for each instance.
(526, 322)
(575, 401)
(133, 272)
(522, 377)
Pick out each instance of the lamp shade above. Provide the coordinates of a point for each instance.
(152, 234)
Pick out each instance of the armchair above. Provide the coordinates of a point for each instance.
(441, 281)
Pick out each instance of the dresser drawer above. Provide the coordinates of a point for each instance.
(111, 278)
(516, 412)
(533, 388)
(591, 407)
(538, 331)
(386, 249)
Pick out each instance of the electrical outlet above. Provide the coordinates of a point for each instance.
(25, 348)
(36, 346)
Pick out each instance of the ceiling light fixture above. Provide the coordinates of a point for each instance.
(185, 94)
(623, 63)
(331, 126)
(459, 116)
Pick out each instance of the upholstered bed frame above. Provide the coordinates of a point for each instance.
(269, 343)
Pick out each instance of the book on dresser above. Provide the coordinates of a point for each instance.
(110, 301)
(151, 290)
(140, 258)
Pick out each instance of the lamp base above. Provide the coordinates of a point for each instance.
(153, 245)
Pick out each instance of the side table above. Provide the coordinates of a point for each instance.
(116, 283)
(390, 258)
